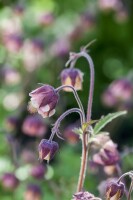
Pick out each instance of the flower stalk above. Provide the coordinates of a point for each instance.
(72, 61)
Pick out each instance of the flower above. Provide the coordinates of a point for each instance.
(9, 181)
(46, 19)
(108, 154)
(33, 192)
(13, 43)
(72, 77)
(34, 126)
(44, 100)
(83, 196)
(33, 54)
(120, 91)
(115, 190)
(12, 123)
(38, 171)
(47, 149)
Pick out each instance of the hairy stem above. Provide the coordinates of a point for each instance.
(76, 97)
(84, 159)
(55, 129)
(91, 90)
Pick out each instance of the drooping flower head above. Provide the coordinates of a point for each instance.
(47, 149)
(44, 100)
(115, 190)
(72, 77)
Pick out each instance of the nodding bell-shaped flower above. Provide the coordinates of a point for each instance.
(115, 190)
(83, 195)
(108, 154)
(47, 149)
(33, 125)
(10, 181)
(44, 100)
(72, 77)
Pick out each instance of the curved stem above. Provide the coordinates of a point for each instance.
(57, 123)
(85, 147)
(91, 90)
(125, 174)
(76, 97)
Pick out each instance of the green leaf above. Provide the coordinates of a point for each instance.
(105, 120)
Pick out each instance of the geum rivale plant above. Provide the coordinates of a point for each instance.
(44, 100)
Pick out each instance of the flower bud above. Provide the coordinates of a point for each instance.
(44, 100)
(47, 149)
(34, 126)
(33, 192)
(115, 190)
(83, 195)
(72, 77)
(108, 154)
(9, 181)
(38, 171)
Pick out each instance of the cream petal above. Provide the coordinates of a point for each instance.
(45, 108)
(34, 103)
(52, 112)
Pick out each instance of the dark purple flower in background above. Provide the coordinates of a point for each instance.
(33, 125)
(33, 54)
(120, 91)
(115, 190)
(46, 19)
(108, 154)
(12, 123)
(38, 171)
(61, 47)
(33, 192)
(18, 9)
(13, 43)
(73, 77)
(9, 181)
(87, 20)
(10, 75)
(44, 100)
(47, 149)
(83, 196)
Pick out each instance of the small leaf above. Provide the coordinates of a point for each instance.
(78, 131)
(87, 124)
(105, 120)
